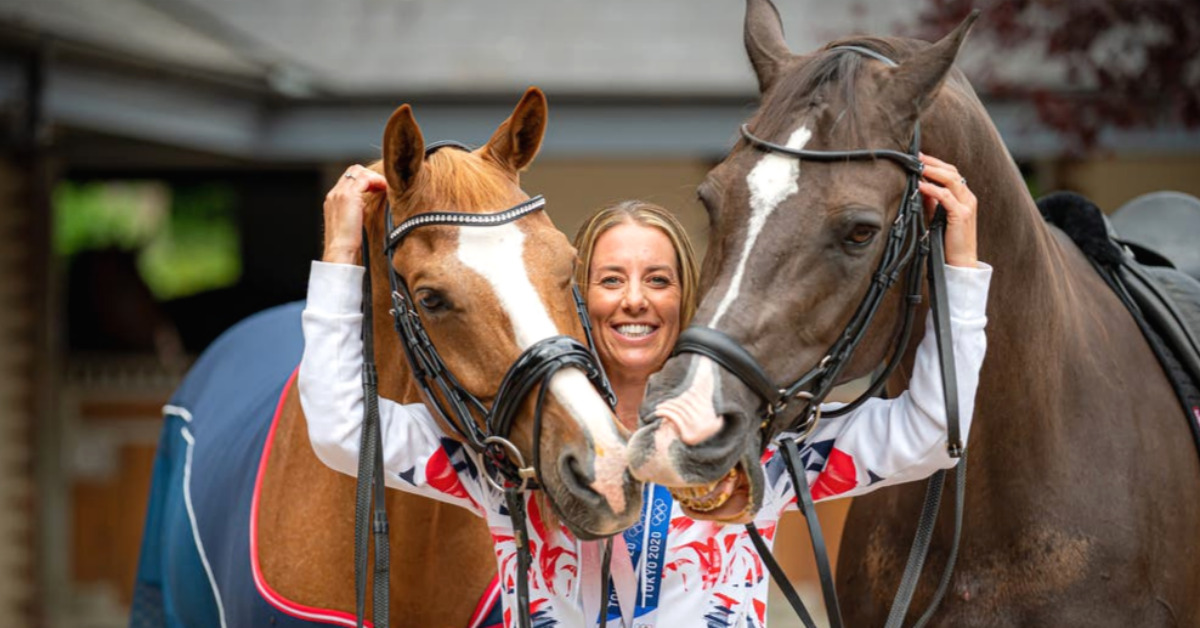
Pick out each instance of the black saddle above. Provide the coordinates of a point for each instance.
(1164, 301)
(1167, 223)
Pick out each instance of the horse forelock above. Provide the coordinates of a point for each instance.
(459, 181)
(831, 77)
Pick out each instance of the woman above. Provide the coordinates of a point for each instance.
(640, 280)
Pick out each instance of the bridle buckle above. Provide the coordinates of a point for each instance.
(513, 454)
(779, 405)
(398, 304)
(814, 415)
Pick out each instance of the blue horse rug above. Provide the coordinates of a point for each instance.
(198, 565)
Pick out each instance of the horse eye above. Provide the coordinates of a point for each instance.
(431, 301)
(861, 235)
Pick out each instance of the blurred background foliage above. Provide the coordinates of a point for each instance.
(185, 238)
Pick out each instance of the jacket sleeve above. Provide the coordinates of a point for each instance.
(418, 457)
(889, 441)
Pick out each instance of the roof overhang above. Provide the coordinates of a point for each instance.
(253, 123)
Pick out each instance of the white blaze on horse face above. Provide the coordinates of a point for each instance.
(773, 179)
(693, 412)
(497, 254)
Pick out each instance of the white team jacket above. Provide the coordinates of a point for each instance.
(668, 569)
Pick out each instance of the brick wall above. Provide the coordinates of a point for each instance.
(18, 348)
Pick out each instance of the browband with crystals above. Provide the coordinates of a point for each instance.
(464, 220)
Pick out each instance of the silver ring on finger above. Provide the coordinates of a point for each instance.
(353, 178)
(962, 180)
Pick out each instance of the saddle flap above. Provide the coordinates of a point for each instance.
(1170, 302)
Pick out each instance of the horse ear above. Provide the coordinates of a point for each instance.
(764, 41)
(917, 79)
(403, 150)
(517, 141)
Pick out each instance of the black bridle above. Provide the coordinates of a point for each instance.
(910, 244)
(906, 238)
(486, 430)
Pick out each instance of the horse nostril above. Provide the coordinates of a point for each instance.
(578, 474)
(648, 418)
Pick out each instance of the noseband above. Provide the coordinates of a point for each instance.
(910, 244)
(486, 430)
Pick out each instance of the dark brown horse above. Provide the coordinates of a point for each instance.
(489, 294)
(1082, 487)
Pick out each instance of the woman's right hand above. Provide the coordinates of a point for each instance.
(345, 206)
(943, 184)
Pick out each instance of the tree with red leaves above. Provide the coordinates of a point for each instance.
(1126, 63)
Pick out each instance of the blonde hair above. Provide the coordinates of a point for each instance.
(647, 215)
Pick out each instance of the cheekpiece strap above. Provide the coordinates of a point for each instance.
(459, 219)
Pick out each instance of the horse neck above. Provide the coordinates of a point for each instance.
(1046, 305)
(1013, 238)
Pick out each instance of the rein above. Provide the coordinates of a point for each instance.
(910, 245)
(485, 430)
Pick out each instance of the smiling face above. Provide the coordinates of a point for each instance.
(634, 299)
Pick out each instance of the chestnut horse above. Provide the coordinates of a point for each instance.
(1083, 491)
(248, 528)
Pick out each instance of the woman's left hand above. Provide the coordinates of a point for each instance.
(946, 186)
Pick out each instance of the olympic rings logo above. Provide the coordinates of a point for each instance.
(662, 510)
